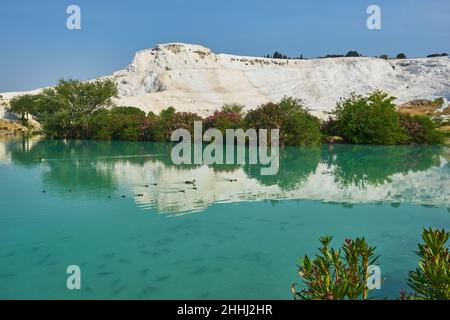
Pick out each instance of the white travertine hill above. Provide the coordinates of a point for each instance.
(192, 78)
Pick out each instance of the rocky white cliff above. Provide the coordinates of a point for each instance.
(192, 78)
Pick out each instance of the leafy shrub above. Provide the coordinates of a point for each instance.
(436, 55)
(23, 106)
(297, 126)
(336, 274)
(300, 127)
(420, 129)
(119, 123)
(328, 127)
(125, 123)
(161, 129)
(401, 56)
(229, 117)
(334, 56)
(267, 116)
(353, 54)
(278, 55)
(100, 125)
(370, 120)
(234, 108)
(431, 280)
(184, 120)
(66, 109)
(146, 127)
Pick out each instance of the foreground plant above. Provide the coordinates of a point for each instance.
(337, 274)
(431, 280)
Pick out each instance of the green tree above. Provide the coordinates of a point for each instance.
(369, 120)
(23, 106)
(420, 129)
(353, 54)
(297, 126)
(119, 123)
(162, 126)
(229, 117)
(65, 110)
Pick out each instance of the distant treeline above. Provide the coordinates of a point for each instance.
(84, 110)
(350, 54)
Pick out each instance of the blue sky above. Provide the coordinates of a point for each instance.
(36, 48)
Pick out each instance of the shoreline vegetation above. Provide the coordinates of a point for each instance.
(85, 110)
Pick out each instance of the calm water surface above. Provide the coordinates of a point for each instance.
(224, 240)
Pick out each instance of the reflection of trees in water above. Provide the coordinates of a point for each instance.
(89, 165)
(78, 175)
(374, 165)
(295, 166)
(23, 151)
(72, 164)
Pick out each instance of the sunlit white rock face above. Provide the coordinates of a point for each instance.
(192, 78)
(172, 195)
(5, 157)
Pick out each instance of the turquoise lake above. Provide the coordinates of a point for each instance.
(87, 203)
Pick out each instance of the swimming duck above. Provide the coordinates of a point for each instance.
(151, 184)
(190, 182)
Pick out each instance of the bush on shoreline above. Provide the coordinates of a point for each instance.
(297, 126)
(420, 130)
(119, 123)
(374, 120)
(229, 117)
(369, 120)
(66, 110)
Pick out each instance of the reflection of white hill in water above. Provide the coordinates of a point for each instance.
(26, 144)
(5, 157)
(430, 187)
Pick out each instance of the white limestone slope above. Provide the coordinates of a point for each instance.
(192, 78)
